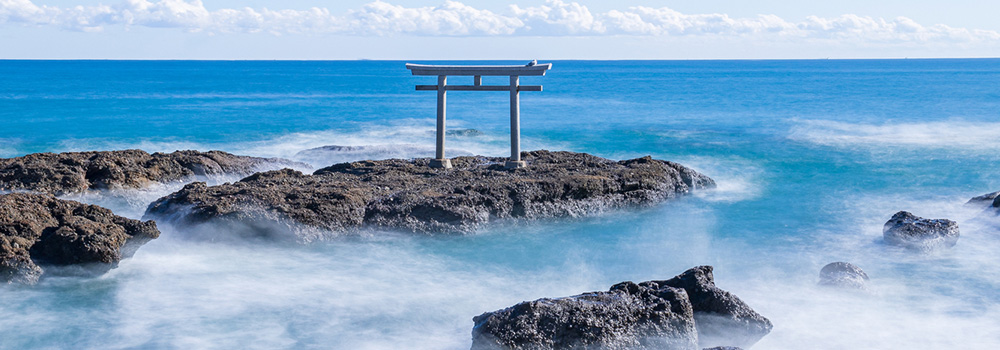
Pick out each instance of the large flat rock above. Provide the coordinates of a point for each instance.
(409, 195)
(72, 172)
(38, 230)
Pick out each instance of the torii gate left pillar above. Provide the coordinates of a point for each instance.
(442, 88)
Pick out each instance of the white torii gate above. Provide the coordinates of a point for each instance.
(442, 88)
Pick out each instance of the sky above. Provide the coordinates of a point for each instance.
(480, 29)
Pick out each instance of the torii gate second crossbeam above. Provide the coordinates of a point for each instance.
(442, 88)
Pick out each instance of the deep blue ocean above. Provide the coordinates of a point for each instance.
(811, 157)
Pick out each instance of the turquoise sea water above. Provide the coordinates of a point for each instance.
(811, 157)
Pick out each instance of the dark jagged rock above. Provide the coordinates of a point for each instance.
(71, 172)
(723, 319)
(843, 275)
(408, 194)
(685, 312)
(989, 199)
(38, 229)
(628, 316)
(907, 230)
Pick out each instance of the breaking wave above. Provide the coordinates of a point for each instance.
(410, 139)
(938, 134)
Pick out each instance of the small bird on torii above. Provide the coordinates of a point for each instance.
(532, 63)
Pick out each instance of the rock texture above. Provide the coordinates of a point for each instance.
(907, 230)
(628, 316)
(723, 319)
(72, 172)
(989, 199)
(685, 312)
(38, 229)
(408, 194)
(843, 275)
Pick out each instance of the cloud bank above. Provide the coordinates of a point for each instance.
(452, 18)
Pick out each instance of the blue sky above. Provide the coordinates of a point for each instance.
(477, 29)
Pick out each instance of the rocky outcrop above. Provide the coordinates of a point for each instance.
(63, 173)
(39, 230)
(843, 275)
(628, 316)
(989, 199)
(685, 312)
(723, 319)
(409, 195)
(910, 231)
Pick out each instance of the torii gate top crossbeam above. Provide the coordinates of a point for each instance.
(442, 88)
(522, 70)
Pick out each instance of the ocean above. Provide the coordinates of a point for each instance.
(811, 158)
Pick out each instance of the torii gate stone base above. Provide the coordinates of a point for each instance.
(442, 88)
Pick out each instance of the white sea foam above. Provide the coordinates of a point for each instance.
(858, 232)
(132, 203)
(8, 147)
(404, 139)
(355, 295)
(736, 179)
(399, 291)
(84, 145)
(940, 134)
(942, 300)
(339, 153)
(809, 317)
(414, 139)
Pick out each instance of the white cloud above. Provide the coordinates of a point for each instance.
(452, 18)
(21, 11)
(551, 18)
(665, 21)
(558, 18)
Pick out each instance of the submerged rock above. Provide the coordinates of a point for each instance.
(71, 172)
(843, 275)
(685, 312)
(464, 132)
(410, 195)
(907, 230)
(38, 229)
